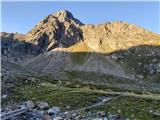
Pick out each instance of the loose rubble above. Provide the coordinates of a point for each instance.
(41, 111)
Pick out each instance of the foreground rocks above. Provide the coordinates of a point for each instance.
(41, 111)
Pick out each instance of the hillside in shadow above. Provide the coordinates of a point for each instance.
(143, 61)
(136, 65)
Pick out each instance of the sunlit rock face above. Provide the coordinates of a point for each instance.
(56, 30)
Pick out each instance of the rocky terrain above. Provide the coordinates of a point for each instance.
(62, 55)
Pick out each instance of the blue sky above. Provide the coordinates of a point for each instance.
(23, 16)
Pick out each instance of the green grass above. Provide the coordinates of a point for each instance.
(114, 82)
(77, 94)
(132, 108)
(57, 93)
(55, 97)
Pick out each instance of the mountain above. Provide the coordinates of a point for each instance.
(56, 41)
(117, 54)
(75, 66)
(68, 45)
(59, 29)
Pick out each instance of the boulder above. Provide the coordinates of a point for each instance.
(29, 104)
(54, 111)
(42, 105)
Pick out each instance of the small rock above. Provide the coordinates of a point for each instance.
(46, 117)
(29, 104)
(66, 112)
(54, 111)
(68, 107)
(42, 105)
(4, 96)
(74, 114)
(114, 117)
(58, 118)
(140, 76)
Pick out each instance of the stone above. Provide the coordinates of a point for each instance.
(42, 105)
(114, 117)
(66, 112)
(68, 107)
(74, 114)
(46, 117)
(58, 118)
(54, 111)
(29, 104)
(4, 96)
(140, 76)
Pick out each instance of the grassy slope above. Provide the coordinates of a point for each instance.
(77, 95)
(132, 108)
(114, 82)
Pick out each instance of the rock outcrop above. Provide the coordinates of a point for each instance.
(15, 48)
(110, 37)
(56, 30)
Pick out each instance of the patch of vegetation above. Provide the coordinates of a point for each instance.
(77, 94)
(131, 108)
(58, 93)
(115, 83)
(55, 97)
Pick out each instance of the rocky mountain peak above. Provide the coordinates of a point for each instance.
(63, 30)
(58, 29)
(66, 16)
(63, 14)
